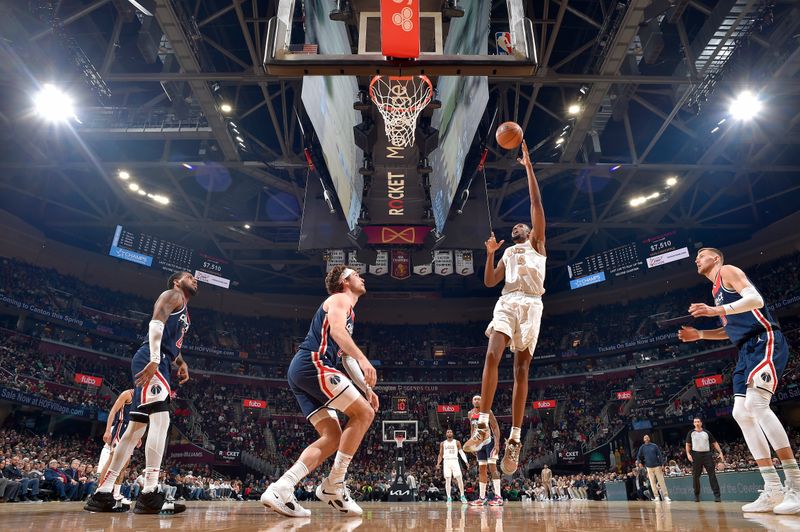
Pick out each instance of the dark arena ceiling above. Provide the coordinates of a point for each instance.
(146, 106)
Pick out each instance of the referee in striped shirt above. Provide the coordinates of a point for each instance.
(698, 451)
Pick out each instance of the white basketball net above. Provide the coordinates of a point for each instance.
(400, 101)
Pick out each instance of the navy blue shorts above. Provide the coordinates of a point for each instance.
(762, 360)
(117, 430)
(317, 385)
(153, 397)
(485, 454)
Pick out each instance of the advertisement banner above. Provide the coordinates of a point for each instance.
(570, 457)
(443, 262)
(624, 396)
(228, 456)
(545, 404)
(16, 396)
(448, 409)
(88, 380)
(396, 234)
(711, 380)
(189, 453)
(401, 264)
(254, 403)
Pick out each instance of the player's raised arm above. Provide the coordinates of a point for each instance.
(491, 274)
(537, 209)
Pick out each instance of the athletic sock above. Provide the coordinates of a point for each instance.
(515, 433)
(107, 484)
(482, 489)
(483, 418)
(117, 494)
(339, 469)
(792, 473)
(496, 485)
(771, 479)
(293, 475)
(447, 488)
(150, 479)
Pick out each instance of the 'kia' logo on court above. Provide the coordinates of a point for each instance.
(403, 19)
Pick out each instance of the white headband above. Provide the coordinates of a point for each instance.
(347, 273)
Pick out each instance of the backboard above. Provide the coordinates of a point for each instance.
(390, 428)
(299, 42)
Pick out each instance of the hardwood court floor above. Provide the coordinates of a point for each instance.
(385, 517)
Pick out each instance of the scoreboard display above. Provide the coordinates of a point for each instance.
(154, 252)
(630, 258)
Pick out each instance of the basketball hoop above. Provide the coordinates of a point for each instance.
(399, 441)
(400, 99)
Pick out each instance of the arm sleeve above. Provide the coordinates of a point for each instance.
(154, 334)
(751, 300)
(354, 370)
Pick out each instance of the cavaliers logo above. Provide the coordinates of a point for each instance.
(766, 377)
(334, 380)
(155, 389)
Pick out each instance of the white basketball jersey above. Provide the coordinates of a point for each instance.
(450, 450)
(525, 269)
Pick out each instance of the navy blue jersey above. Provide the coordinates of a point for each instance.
(745, 325)
(318, 340)
(175, 328)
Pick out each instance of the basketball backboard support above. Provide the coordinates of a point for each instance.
(362, 21)
(391, 428)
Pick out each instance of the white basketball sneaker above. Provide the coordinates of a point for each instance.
(790, 504)
(768, 500)
(282, 501)
(337, 496)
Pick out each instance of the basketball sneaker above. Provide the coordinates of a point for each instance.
(511, 456)
(338, 497)
(449, 500)
(100, 501)
(155, 502)
(479, 439)
(464, 500)
(790, 504)
(120, 506)
(497, 500)
(478, 502)
(766, 502)
(283, 501)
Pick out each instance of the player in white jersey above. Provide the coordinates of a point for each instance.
(516, 318)
(449, 451)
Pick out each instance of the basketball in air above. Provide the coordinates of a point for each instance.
(509, 135)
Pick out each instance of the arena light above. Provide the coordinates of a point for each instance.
(187, 166)
(247, 226)
(122, 174)
(53, 104)
(240, 139)
(638, 200)
(746, 106)
(147, 7)
(559, 141)
(672, 181)
(133, 186)
(163, 200)
(226, 108)
(574, 109)
(141, 192)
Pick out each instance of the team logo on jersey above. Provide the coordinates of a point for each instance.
(334, 380)
(766, 377)
(155, 389)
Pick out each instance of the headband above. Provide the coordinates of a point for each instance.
(346, 273)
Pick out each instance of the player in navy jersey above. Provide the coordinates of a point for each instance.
(321, 389)
(763, 354)
(117, 422)
(151, 367)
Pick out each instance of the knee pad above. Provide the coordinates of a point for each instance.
(740, 411)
